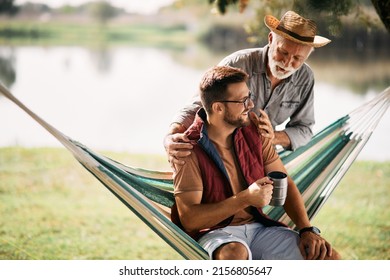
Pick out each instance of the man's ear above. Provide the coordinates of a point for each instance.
(270, 38)
(217, 107)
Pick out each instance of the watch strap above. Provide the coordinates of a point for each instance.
(312, 229)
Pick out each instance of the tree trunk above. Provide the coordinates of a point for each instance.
(382, 8)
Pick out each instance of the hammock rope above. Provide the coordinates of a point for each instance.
(316, 168)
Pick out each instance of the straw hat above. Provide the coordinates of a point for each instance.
(296, 28)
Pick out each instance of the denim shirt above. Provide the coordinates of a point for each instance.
(291, 103)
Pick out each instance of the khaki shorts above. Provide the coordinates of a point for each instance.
(262, 243)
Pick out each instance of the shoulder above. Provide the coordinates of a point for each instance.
(243, 58)
(191, 164)
(269, 152)
(187, 177)
(304, 74)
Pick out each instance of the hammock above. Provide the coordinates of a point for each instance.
(316, 168)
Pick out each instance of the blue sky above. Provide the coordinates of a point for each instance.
(140, 6)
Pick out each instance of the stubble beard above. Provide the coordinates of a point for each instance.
(236, 122)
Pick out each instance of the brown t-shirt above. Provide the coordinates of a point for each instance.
(187, 177)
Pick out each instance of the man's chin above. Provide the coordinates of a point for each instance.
(246, 121)
(282, 75)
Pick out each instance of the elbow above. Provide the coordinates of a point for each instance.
(188, 223)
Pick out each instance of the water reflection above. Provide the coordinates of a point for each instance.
(101, 58)
(359, 72)
(7, 71)
(123, 98)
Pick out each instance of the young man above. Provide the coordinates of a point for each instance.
(221, 189)
(280, 81)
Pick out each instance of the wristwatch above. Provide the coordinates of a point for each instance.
(315, 230)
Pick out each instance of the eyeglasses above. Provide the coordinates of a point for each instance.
(246, 101)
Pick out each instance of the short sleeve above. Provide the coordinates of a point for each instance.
(269, 152)
(188, 177)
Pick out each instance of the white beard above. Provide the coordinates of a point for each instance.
(273, 64)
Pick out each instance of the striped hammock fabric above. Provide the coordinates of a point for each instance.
(316, 168)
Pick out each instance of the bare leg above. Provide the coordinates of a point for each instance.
(231, 251)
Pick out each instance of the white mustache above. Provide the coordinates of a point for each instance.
(279, 64)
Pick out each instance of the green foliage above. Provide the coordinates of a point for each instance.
(383, 10)
(88, 33)
(328, 14)
(222, 4)
(8, 7)
(102, 11)
(340, 7)
(67, 9)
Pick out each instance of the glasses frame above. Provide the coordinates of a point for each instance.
(245, 102)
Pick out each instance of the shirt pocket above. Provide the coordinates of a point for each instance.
(289, 105)
(286, 109)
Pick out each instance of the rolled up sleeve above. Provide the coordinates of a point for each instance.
(299, 128)
(186, 115)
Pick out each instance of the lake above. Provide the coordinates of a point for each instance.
(123, 98)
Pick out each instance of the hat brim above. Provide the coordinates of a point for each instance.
(272, 23)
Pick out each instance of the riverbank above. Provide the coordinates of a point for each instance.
(29, 32)
(52, 208)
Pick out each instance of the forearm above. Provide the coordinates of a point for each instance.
(186, 115)
(176, 128)
(201, 216)
(299, 135)
(281, 138)
(295, 207)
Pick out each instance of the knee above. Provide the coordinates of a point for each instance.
(335, 256)
(231, 251)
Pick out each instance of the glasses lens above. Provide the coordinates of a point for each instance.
(247, 101)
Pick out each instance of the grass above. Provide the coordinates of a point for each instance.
(52, 208)
(356, 218)
(89, 33)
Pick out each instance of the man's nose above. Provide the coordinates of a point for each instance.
(287, 61)
(251, 104)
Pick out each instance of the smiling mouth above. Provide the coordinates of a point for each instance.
(280, 69)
